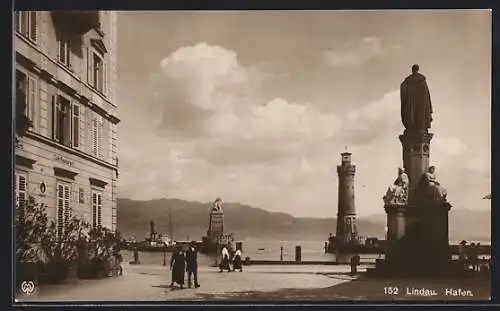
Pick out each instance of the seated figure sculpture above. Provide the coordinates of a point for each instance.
(397, 193)
(430, 189)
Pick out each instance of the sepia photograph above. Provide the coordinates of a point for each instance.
(252, 156)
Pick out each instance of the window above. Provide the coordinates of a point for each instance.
(63, 206)
(97, 125)
(26, 24)
(96, 208)
(98, 72)
(64, 49)
(66, 121)
(21, 185)
(96, 68)
(62, 120)
(27, 94)
(76, 125)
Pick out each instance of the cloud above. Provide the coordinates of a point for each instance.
(375, 119)
(479, 162)
(203, 93)
(444, 150)
(354, 53)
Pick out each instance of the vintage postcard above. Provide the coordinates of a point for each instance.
(252, 155)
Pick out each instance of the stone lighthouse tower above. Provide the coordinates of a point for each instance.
(346, 215)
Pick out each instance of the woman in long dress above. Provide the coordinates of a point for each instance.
(178, 267)
(237, 262)
(224, 264)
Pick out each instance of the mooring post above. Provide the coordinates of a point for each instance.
(298, 253)
(136, 256)
(355, 261)
(164, 258)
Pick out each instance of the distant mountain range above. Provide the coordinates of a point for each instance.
(190, 221)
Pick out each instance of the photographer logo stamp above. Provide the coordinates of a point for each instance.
(27, 287)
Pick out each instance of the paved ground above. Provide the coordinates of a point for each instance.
(151, 283)
(146, 283)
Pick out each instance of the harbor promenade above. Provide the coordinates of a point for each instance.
(255, 283)
(151, 283)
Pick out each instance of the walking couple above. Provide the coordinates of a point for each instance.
(182, 262)
(227, 260)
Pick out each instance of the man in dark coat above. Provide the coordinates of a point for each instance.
(416, 105)
(192, 265)
(178, 266)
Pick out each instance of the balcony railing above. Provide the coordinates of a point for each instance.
(79, 21)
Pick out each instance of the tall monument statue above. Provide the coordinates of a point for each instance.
(416, 204)
(416, 106)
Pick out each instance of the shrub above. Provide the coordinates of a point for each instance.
(30, 225)
(45, 253)
(60, 248)
(100, 253)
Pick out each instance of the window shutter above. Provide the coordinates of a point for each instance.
(67, 124)
(90, 67)
(94, 209)
(54, 118)
(16, 193)
(59, 45)
(24, 23)
(99, 137)
(99, 209)
(76, 126)
(83, 114)
(94, 136)
(32, 99)
(33, 26)
(17, 19)
(67, 205)
(60, 209)
(104, 78)
(69, 54)
(21, 186)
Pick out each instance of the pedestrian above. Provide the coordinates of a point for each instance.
(237, 263)
(192, 265)
(472, 256)
(477, 259)
(462, 256)
(178, 267)
(224, 264)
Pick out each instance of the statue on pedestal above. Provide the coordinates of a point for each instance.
(430, 189)
(416, 106)
(397, 193)
(217, 206)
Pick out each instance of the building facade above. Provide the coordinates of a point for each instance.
(65, 77)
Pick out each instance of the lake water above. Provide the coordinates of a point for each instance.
(264, 250)
(257, 249)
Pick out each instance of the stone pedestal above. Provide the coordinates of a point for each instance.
(416, 153)
(396, 222)
(418, 228)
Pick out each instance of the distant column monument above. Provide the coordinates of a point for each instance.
(416, 204)
(346, 210)
(216, 235)
(216, 223)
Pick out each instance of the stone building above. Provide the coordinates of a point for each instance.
(65, 77)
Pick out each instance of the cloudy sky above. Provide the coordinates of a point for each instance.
(256, 107)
